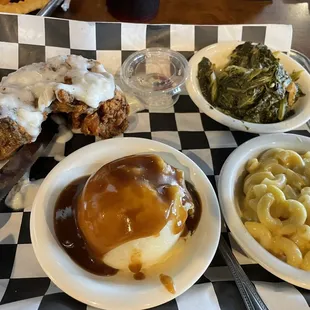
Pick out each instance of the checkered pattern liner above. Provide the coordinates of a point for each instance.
(27, 39)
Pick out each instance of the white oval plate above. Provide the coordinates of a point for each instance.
(231, 171)
(121, 292)
(219, 55)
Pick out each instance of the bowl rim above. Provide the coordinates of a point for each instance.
(193, 89)
(193, 272)
(226, 190)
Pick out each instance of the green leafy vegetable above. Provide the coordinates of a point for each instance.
(282, 109)
(253, 87)
(207, 77)
(295, 75)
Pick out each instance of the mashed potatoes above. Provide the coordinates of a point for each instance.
(133, 211)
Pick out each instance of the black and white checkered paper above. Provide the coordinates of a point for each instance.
(27, 39)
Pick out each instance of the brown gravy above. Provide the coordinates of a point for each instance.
(167, 282)
(132, 197)
(68, 230)
(135, 264)
(68, 233)
(139, 276)
(193, 217)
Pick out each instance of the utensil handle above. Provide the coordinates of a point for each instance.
(49, 8)
(248, 292)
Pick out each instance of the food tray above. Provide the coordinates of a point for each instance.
(27, 39)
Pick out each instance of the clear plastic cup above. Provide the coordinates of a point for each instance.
(155, 76)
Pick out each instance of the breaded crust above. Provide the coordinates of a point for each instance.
(12, 136)
(108, 120)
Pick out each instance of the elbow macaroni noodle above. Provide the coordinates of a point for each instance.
(276, 204)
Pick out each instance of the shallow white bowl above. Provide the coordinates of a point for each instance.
(219, 55)
(232, 169)
(121, 292)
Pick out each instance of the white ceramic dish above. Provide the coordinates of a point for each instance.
(219, 54)
(231, 171)
(121, 292)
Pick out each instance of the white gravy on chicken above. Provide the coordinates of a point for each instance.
(27, 93)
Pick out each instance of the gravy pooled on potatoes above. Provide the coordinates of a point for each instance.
(131, 198)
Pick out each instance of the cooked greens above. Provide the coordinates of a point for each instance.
(253, 86)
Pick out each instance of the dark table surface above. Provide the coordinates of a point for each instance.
(295, 12)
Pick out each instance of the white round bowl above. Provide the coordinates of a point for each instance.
(219, 55)
(121, 292)
(232, 169)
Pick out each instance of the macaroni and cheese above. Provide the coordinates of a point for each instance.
(276, 204)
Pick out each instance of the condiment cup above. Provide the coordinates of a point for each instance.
(155, 76)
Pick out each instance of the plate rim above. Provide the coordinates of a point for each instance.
(33, 220)
(194, 92)
(248, 244)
